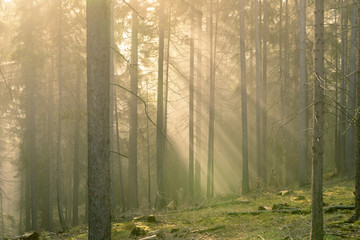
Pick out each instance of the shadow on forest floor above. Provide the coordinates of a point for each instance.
(258, 215)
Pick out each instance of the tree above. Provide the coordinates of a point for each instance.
(258, 87)
(191, 105)
(303, 96)
(60, 82)
(317, 228)
(160, 140)
(351, 98)
(245, 167)
(344, 70)
(210, 170)
(133, 182)
(264, 98)
(75, 202)
(98, 89)
(198, 106)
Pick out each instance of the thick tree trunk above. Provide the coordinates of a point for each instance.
(98, 89)
(133, 181)
(317, 228)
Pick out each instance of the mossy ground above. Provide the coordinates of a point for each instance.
(211, 220)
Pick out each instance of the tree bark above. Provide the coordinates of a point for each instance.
(133, 181)
(98, 89)
(351, 99)
(191, 107)
(160, 196)
(317, 228)
(245, 163)
(60, 82)
(75, 202)
(303, 97)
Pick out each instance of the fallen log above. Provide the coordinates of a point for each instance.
(334, 208)
(284, 211)
(28, 236)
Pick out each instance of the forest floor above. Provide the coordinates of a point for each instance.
(258, 215)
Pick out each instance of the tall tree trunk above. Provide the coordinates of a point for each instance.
(343, 117)
(287, 163)
(258, 90)
(317, 228)
(282, 98)
(245, 163)
(111, 108)
(356, 215)
(75, 201)
(133, 182)
(264, 97)
(51, 141)
(160, 196)
(198, 106)
(122, 196)
(303, 97)
(351, 99)
(337, 122)
(148, 150)
(191, 106)
(98, 89)
(60, 82)
(210, 176)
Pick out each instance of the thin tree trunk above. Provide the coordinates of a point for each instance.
(344, 39)
(351, 99)
(264, 98)
(133, 182)
(199, 108)
(60, 82)
(160, 196)
(258, 90)
(211, 111)
(303, 97)
(75, 201)
(282, 99)
(122, 196)
(245, 165)
(98, 89)
(111, 107)
(191, 107)
(317, 228)
(51, 141)
(287, 163)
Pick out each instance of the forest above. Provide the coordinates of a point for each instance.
(180, 119)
